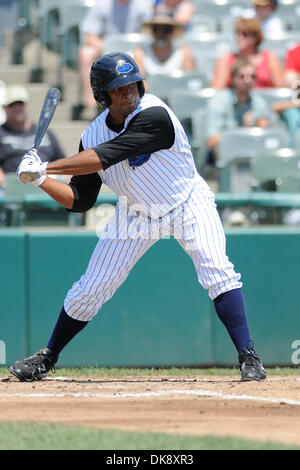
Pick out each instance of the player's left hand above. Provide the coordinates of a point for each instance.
(32, 169)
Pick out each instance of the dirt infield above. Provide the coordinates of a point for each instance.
(202, 405)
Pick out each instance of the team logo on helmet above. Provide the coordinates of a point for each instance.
(123, 67)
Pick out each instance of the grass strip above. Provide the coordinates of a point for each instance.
(172, 371)
(32, 436)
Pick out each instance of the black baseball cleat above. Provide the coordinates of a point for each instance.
(34, 367)
(251, 366)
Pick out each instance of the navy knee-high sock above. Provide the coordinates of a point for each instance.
(65, 329)
(231, 310)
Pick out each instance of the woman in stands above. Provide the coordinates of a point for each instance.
(162, 55)
(269, 70)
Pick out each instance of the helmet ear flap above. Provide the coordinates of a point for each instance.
(101, 97)
(141, 88)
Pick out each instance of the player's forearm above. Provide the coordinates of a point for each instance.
(83, 163)
(60, 192)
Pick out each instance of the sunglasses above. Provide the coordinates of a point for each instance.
(246, 34)
(244, 75)
(162, 28)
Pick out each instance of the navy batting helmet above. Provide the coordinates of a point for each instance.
(113, 71)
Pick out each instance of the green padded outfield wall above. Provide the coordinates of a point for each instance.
(160, 316)
(13, 294)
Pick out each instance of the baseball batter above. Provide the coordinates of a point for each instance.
(138, 148)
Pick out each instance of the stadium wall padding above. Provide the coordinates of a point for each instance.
(161, 316)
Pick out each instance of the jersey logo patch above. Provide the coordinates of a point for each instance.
(139, 160)
(123, 67)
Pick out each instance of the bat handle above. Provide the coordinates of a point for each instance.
(34, 152)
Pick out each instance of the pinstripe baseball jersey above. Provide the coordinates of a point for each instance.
(164, 179)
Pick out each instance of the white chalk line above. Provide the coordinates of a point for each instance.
(162, 393)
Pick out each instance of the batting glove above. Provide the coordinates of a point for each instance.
(32, 169)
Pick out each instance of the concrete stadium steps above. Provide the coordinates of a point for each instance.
(67, 131)
(12, 74)
(62, 113)
(69, 134)
(3, 56)
(37, 93)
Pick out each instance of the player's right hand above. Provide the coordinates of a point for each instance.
(31, 169)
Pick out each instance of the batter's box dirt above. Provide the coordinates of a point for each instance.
(265, 411)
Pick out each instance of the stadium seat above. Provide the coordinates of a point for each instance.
(206, 48)
(28, 14)
(165, 85)
(281, 44)
(25, 204)
(271, 95)
(198, 138)
(236, 149)
(276, 170)
(124, 42)
(289, 11)
(3, 216)
(57, 25)
(185, 102)
(202, 24)
(13, 195)
(297, 139)
(190, 107)
(70, 30)
(218, 9)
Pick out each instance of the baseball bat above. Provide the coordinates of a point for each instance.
(49, 106)
(46, 115)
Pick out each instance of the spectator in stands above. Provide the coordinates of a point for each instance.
(181, 10)
(270, 22)
(289, 112)
(17, 133)
(292, 66)
(269, 71)
(105, 18)
(162, 56)
(238, 106)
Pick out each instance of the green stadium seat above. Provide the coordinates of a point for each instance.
(289, 12)
(25, 204)
(202, 24)
(124, 42)
(165, 85)
(185, 102)
(281, 44)
(236, 149)
(272, 95)
(276, 170)
(190, 106)
(206, 47)
(3, 215)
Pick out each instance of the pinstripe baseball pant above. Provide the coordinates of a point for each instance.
(195, 224)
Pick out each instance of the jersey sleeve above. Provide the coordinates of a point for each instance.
(149, 131)
(85, 189)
